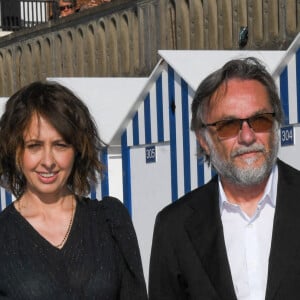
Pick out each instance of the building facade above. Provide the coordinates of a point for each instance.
(122, 37)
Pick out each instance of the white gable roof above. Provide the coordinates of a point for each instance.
(109, 100)
(194, 65)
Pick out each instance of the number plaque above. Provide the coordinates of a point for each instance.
(287, 136)
(150, 153)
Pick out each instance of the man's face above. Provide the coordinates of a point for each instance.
(244, 159)
(66, 8)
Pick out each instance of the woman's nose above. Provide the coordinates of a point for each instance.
(48, 159)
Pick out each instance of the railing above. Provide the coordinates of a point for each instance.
(17, 14)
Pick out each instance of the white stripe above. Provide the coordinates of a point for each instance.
(179, 136)
(292, 90)
(207, 173)
(130, 133)
(3, 198)
(193, 145)
(277, 82)
(165, 100)
(153, 112)
(98, 191)
(141, 123)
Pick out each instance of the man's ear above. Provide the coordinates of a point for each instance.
(202, 141)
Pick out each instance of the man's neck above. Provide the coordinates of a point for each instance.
(247, 197)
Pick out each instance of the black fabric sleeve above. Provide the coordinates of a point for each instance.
(133, 285)
(164, 274)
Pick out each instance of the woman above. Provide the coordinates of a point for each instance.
(56, 243)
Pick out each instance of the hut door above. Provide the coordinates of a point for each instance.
(150, 191)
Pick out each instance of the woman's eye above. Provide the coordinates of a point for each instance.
(62, 145)
(33, 146)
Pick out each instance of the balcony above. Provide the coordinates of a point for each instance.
(17, 14)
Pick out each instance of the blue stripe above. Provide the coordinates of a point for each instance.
(93, 193)
(298, 83)
(213, 172)
(135, 129)
(105, 179)
(159, 105)
(147, 116)
(126, 173)
(284, 94)
(1, 208)
(186, 136)
(200, 171)
(172, 121)
(8, 197)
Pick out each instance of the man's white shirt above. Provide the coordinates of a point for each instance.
(248, 241)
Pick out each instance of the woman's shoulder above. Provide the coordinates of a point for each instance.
(113, 209)
(5, 215)
(8, 219)
(113, 212)
(114, 206)
(121, 228)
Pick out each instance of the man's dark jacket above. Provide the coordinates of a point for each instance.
(189, 260)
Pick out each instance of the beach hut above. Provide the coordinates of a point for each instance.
(159, 152)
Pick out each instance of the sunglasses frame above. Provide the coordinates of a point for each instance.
(68, 6)
(249, 120)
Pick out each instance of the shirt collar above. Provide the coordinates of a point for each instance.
(269, 196)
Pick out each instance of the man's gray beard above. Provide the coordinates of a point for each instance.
(245, 176)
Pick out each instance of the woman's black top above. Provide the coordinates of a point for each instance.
(100, 259)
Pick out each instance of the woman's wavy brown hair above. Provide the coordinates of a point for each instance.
(68, 115)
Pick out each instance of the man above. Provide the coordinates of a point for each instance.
(238, 236)
(67, 7)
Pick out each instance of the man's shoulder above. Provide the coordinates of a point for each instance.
(288, 171)
(198, 198)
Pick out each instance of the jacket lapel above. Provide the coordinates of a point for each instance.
(205, 230)
(285, 242)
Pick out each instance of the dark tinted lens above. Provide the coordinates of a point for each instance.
(261, 123)
(228, 128)
(69, 6)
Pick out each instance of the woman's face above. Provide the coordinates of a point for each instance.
(47, 160)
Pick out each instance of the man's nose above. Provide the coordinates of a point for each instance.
(246, 134)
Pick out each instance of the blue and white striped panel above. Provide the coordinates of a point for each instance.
(150, 123)
(173, 136)
(6, 198)
(102, 188)
(191, 172)
(182, 136)
(289, 89)
(164, 115)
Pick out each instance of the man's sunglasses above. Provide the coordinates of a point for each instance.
(68, 6)
(231, 127)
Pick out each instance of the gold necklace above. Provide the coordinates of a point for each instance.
(69, 226)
